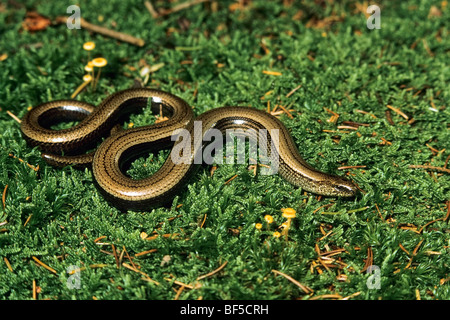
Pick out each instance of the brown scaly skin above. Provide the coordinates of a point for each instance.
(109, 158)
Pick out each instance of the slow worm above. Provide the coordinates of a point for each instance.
(111, 157)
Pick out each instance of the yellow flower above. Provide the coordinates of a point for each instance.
(87, 78)
(143, 235)
(258, 226)
(268, 218)
(285, 225)
(288, 213)
(276, 234)
(99, 62)
(88, 46)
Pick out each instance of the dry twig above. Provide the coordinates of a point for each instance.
(105, 31)
(304, 288)
(213, 272)
(418, 166)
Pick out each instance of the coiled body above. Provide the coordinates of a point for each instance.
(117, 150)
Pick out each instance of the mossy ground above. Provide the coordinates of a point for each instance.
(215, 55)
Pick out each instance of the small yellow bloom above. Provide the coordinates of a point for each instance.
(288, 213)
(99, 62)
(88, 68)
(143, 235)
(258, 226)
(87, 78)
(268, 218)
(276, 234)
(285, 225)
(88, 46)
